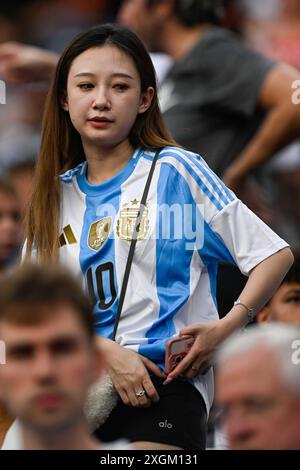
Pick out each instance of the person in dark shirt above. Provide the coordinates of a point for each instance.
(226, 101)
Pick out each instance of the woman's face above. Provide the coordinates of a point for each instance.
(104, 96)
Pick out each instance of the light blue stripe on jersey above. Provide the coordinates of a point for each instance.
(172, 264)
(215, 181)
(212, 252)
(88, 258)
(206, 190)
(230, 194)
(225, 194)
(218, 186)
(100, 199)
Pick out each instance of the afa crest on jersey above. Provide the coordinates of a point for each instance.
(127, 219)
(99, 232)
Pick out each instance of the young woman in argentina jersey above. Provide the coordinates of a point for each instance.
(101, 128)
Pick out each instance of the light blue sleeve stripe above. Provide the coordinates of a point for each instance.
(208, 175)
(218, 186)
(215, 177)
(196, 177)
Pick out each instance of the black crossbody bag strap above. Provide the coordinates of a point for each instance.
(133, 243)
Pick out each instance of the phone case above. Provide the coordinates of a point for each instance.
(176, 349)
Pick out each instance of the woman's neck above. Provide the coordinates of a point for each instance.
(104, 163)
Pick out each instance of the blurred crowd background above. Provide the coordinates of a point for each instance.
(49, 24)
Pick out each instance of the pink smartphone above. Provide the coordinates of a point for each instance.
(176, 349)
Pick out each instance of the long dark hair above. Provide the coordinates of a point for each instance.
(61, 146)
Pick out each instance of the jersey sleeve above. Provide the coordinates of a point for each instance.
(248, 239)
(206, 188)
(228, 231)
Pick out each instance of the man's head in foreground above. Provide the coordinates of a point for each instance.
(284, 305)
(46, 324)
(258, 388)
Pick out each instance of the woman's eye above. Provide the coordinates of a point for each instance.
(86, 86)
(293, 299)
(121, 86)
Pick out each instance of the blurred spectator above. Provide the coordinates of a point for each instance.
(51, 359)
(277, 35)
(21, 175)
(50, 24)
(8, 30)
(53, 24)
(284, 306)
(19, 147)
(256, 10)
(227, 102)
(10, 226)
(258, 388)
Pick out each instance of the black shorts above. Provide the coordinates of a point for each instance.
(178, 419)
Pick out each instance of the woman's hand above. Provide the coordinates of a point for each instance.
(128, 371)
(207, 336)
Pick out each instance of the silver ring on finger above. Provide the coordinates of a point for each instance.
(140, 394)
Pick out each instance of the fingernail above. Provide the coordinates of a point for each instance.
(169, 379)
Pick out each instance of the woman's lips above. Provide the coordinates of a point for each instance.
(99, 123)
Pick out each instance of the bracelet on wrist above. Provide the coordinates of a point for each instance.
(250, 311)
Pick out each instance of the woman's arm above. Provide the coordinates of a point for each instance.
(20, 62)
(128, 371)
(263, 281)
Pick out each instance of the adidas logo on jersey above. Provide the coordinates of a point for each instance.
(67, 236)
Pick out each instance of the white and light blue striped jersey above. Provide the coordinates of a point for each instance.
(190, 223)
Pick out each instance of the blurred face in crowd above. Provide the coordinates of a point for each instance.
(22, 178)
(10, 225)
(49, 368)
(258, 410)
(144, 20)
(284, 306)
